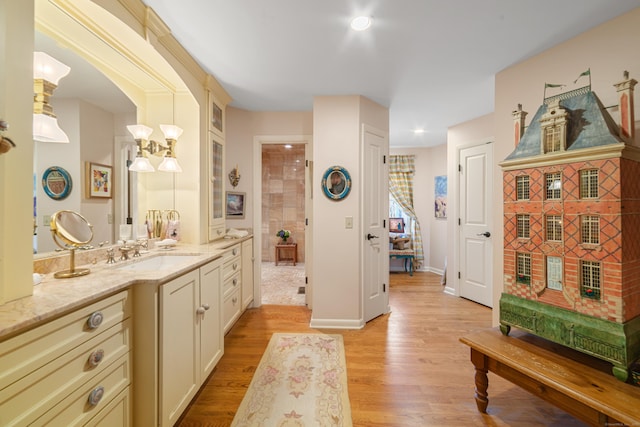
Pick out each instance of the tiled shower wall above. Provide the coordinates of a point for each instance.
(282, 197)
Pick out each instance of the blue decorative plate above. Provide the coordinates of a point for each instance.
(56, 182)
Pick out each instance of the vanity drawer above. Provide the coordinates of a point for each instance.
(232, 283)
(231, 266)
(29, 351)
(89, 400)
(231, 309)
(31, 396)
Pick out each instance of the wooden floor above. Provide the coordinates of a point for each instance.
(405, 368)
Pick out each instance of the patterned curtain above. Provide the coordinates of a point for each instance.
(401, 170)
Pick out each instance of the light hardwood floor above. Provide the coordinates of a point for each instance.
(405, 368)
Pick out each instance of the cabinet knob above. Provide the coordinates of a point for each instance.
(235, 265)
(202, 308)
(235, 281)
(96, 357)
(96, 395)
(206, 306)
(95, 320)
(234, 300)
(235, 251)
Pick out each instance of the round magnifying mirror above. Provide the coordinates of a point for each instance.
(70, 230)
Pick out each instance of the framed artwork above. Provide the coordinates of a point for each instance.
(56, 182)
(336, 183)
(440, 208)
(99, 180)
(235, 205)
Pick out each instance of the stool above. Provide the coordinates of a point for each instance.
(284, 248)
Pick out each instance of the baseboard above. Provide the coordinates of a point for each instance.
(336, 323)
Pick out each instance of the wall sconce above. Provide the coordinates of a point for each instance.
(145, 146)
(47, 72)
(234, 176)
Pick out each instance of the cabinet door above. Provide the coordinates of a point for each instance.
(210, 317)
(216, 190)
(179, 345)
(247, 273)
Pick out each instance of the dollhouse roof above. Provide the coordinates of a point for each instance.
(589, 125)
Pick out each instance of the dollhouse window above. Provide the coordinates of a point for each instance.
(522, 226)
(553, 185)
(523, 268)
(552, 138)
(590, 275)
(590, 227)
(589, 184)
(522, 187)
(554, 228)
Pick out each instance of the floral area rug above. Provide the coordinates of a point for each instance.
(300, 381)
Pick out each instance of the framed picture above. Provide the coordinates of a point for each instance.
(235, 205)
(440, 207)
(99, 180)
(336, 183)
(56, 183)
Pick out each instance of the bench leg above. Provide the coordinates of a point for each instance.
(480, 362)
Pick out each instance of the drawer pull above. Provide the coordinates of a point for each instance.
(235, 281)
(96, 357)
(95, 320)
(235, 265)
(235, 251)
(219, 232)
(202, 308)
(234, 300)
(206, 306)
(96, 395)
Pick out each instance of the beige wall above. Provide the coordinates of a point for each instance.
(430, 162)
(607, 50)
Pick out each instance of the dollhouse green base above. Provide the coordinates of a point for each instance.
(614, 342)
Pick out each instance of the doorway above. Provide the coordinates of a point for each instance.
(282, 203)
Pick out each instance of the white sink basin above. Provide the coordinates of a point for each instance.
(160, 262)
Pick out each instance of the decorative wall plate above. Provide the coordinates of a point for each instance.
(336, 183)
(56, 182)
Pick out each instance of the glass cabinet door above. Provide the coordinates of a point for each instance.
(216, 193)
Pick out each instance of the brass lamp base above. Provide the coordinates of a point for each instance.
(65, 274)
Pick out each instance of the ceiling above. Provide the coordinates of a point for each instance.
(431, 62)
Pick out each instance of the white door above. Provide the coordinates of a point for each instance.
(308, 235)
(554, 273)
(476, 200)
(375, 206)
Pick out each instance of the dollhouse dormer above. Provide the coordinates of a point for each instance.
(553, 128)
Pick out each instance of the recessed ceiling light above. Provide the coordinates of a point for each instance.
(361, 23)
(418, 131)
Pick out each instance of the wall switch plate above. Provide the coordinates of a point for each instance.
(46, 220)
(109, 218)
(348, 222)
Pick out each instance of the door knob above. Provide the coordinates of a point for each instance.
(371, 236)
(485, 234)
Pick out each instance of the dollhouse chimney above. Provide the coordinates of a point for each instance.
(625, 102)
(518, 124)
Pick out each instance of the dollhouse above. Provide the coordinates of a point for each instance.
(572, 226)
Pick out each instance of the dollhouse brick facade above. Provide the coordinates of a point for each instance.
(572, 227)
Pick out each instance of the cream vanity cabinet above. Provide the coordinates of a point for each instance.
(232, 286)
(73, 370)
(247, 273)
(178, 342)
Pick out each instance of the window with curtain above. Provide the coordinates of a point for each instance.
(401, 171)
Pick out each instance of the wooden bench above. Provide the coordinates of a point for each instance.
(287, 247)
(577, 383)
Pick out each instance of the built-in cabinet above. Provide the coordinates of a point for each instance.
(178, 342)
(74, 370)
(191, 340)
(247, 273)
(216, 168)
(232, 287)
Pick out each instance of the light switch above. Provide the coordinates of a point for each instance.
(109, 218)
(348, 222)
(46, 220)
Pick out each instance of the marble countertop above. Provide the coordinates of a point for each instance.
(53, 297)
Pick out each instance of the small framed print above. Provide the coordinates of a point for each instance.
(99, 180)
(336, 183)
(235, 205)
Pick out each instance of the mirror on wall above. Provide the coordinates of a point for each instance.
(94, 113)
